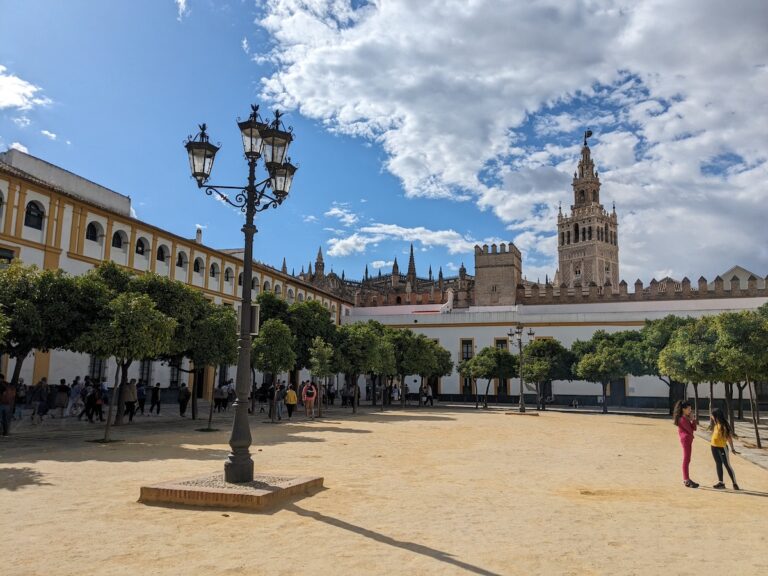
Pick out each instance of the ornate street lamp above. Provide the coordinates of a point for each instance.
(270, 140)
(517, 333)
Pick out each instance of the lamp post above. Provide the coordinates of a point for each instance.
(517, 333)
(270, 141)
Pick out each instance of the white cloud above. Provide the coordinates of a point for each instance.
(669, 89)
(382, 264)
(309, 218)
(22, 121)
(181, 6)
(345, 216)
(17, 93)
(245, 46)
(48, 134)
(19, 146)
(372, 234)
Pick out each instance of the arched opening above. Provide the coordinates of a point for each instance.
(162, 253)
(562, 238)
(141, 247)
(399, 300)
(214, 270)
(34, 215)
(589, 233)
(267, 286)
(575, 233)
(278, 289)
(198, 266)
(583, 234)
(568, 237)
(606, 234)
(228, 275)
(181, 260)
(119, 240)
(92, 232)
(240, 279)
(301, 297)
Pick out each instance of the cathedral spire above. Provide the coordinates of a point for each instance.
(319, 264)
(411, 266)
(395, 268)
(365, 276)
(284, 267)
(430, 271)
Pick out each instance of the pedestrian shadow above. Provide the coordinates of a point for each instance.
(433, 553)
(735, 492)
(15, 478)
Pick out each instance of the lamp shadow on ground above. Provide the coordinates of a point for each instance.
(15, 478)
(433, 553)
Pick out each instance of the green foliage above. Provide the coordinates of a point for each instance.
(691, 356)
(214, 337)
(655, 335)
(321, 358)
(272, 307)
(493, 362)
(307, 321)
(133, 330)
(742, 342)
(273, 348)
(545, 360)
(356, 346)
(181, 302)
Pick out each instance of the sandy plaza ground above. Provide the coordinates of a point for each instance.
(421, 491)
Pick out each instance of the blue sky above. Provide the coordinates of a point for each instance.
(420, 123)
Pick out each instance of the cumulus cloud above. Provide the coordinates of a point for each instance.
(17, 93)
(486, 103)
(19, 146)
(382, 264)
(357, 243)
(309, 218)
(22, 121)
(182, 9)
(345, 216)
(48, 134)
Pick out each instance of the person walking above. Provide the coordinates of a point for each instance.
(219, 396)
(310, 393)
(291, 399)
(7, 400)
(40, 401)
(430, 395)
(686, 426)
(62, 397)
(280, 400)
(21, 399)
(722, 436)
(130, 397)
(184, 396)
(141, 396)
(155, 399)
(74, 396)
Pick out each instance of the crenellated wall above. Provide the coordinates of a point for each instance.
(549, 294)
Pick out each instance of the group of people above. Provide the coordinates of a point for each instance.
(284, 398)
(223, 395)
(722, 437)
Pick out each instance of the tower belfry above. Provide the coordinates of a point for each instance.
(588, 246)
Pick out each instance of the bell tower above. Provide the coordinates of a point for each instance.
(588, 245)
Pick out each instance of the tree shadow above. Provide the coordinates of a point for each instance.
(15, 478)
(735, 492)
(433, 553)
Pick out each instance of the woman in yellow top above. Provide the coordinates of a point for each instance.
(291, 400)
(722, 435)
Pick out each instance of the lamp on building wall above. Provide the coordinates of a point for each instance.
(270, 141)
(517, 334)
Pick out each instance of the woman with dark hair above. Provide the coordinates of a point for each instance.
(722, 435)
(686, 426)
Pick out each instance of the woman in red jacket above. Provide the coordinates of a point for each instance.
(686, 426)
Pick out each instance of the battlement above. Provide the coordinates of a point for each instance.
(535, 294)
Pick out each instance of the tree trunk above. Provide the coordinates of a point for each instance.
(696, 399)
(755, 409)
(711, 397)
(741, 400)
(547, 388)
(605, 397)
(487, 387)
(355, 393)
(120, 398)
(539, 400)
(321, 397)
(729, 403)
(210, 408)
(253, 390)
(402, 391)
(115, 394)
(17, 370)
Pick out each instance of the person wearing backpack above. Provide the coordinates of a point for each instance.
(310, 393)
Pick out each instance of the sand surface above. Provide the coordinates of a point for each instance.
(435, 491)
